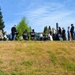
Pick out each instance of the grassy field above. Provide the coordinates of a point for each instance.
(37, 58)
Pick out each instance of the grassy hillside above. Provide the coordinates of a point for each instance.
(37, 58)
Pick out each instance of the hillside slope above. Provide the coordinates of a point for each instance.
(37, 58)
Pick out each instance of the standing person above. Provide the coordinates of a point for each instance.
(68, 32)
(72, 31)
(59, 30)
(13, 32)
(63, 34)
(59, 33)
(53, 33)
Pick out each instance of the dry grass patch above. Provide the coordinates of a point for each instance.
(37, 58)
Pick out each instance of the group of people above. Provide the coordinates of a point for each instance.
(60, 34)
(70, 32)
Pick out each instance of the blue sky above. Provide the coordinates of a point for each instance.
(39, 13)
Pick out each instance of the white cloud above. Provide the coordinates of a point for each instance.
(40, 13)
(49, 15)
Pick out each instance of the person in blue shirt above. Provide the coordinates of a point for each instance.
(68, 32)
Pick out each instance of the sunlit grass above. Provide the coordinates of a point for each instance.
(67, 64)
(37, 58)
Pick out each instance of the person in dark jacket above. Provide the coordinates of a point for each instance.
(59, 30)
(32, 34)
(13, 32)
(72, 31)
(63, 34)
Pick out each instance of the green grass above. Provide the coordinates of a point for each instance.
(3, 73)
(53, 58)
(27, 63)
(67, 64)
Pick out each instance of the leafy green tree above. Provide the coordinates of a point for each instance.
(22, 26)
(1, 21)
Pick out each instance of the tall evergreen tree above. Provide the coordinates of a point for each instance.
(46, 30)
(1, 21)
